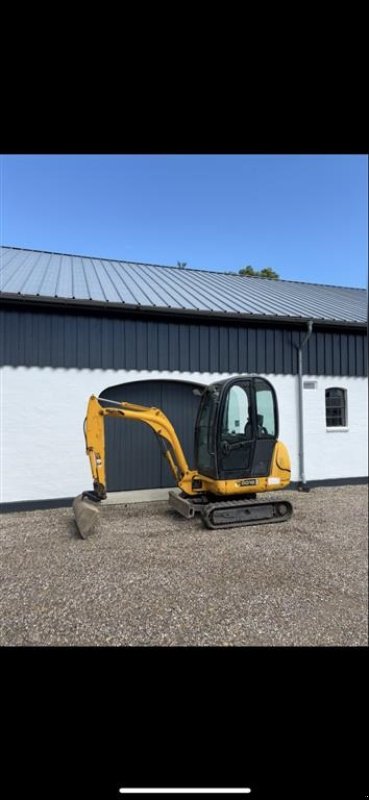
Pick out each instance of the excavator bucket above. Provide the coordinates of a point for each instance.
(86, 515)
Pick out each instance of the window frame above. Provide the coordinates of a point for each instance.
(342, 406)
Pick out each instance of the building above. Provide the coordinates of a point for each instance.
(72, 326)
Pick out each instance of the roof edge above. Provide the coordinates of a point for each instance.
(70, 304)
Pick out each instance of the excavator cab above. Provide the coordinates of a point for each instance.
(236, 429)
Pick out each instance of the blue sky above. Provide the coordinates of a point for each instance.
(303, 215)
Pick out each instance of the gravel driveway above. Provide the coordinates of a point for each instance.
(150, 577)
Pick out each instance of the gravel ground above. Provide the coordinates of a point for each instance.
(150, 577)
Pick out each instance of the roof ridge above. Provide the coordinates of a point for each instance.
(182, 269)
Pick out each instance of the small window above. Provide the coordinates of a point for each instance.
(335, 408)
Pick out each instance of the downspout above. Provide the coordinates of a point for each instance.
(302, 487)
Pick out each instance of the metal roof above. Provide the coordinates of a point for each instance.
(34, 274)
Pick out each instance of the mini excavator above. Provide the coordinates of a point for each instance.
(237, 456)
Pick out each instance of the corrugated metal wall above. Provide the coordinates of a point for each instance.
(62, 339)
(133, 456)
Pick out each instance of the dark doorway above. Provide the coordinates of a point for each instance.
(133, 456)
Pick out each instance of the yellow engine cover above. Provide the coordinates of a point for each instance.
(278, 478)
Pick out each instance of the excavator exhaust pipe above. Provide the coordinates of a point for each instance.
(86, 515)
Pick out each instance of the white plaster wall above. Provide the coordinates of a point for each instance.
(42, 452)
(335, 452)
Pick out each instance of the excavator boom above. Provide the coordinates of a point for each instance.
(85, 505)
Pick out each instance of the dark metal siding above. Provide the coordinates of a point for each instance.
(62, 339)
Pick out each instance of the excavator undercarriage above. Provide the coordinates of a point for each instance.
(231, 513)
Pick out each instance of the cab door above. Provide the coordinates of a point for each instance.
(266, 430)
(236, 441)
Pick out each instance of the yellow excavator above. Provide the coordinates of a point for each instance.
(237, 456)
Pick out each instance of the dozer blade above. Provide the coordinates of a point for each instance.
(86, 515)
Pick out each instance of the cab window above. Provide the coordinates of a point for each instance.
(265, 411)
(236, 411)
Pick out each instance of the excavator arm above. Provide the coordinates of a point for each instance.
(95, 448)
(153, 417)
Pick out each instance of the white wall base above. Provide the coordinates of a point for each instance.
(42, 454)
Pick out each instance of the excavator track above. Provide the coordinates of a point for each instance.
(238, 513)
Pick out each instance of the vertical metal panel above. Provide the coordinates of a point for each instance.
(223, 349)
(328, 354)
(83, 350)
(8, 323)
(10, 341)
(21, 328)
(359, 355)
(310, 356)
(260, 350)
(365, 354)
(152, 345)
(44, 339)
(251, 350)
(320, 353)
(290, 341)
(269, 351)
(287, 350)
(70, 342)
(61, 339)
(118, 344)
(344, 354)
(336, 354)
(129, 344)
(214, 349)
(232, 350)
(3, 334)
(194, 348)
(295, 343)
(184, 347)
(351, 354)
(163, 345)
(242, 349)
(30, 344)
(57, 341)
(95, 341)
(173, 332)
(107, 350)
(204, 348)
(278, 352)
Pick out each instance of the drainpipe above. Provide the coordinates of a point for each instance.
(302, 487)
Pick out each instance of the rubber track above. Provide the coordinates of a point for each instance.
(271, 515)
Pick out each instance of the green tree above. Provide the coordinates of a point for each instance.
(266, 272)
